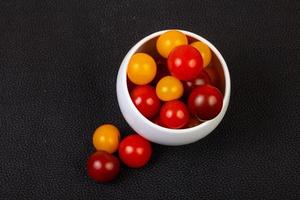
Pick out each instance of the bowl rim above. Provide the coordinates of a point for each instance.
(194, 36)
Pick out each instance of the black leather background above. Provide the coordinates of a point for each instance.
(58, 67)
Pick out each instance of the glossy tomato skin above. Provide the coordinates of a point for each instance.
(168, 41)
(202, 79)
(141, 69)
(135, 151)
(169, 88)
(185, 62)
(174, 114)
(106, 138)
(145, 99)
(103, 167)
(205, 102)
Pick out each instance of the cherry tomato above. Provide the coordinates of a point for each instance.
(135, 151)
(205, 102)
(103, 167)
(106, 138)
(202, 79)
(185, 62)
(169, 88)
(145, 99)
(174, 114)
(168, 41)
(204, 51)
(141, 69)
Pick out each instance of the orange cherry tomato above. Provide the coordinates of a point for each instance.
(168, 41)
(106, 138)
(169, 88)
(141, 69)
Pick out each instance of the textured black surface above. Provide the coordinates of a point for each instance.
(58, 67)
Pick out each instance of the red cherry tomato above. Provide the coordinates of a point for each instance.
(135, 151)
(174, 114)
(185, 62)
(145, 99)
(103, 167)
(205, 102)
(202, 79)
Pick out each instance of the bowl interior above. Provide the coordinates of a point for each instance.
(214, 69)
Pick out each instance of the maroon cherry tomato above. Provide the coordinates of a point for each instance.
(103, 167)
(205, 102)
(202, 79)
(145, 99)
(174, 114)
(185, 62)
(135, 151)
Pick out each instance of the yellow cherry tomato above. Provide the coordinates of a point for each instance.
(106, 138)
(169, 88)
(168, 41)
(141, 69)
(204, 51)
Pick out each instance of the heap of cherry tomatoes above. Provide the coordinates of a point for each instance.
(134, 151)
(174, 90)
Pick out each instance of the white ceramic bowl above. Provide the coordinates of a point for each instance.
(152, 131)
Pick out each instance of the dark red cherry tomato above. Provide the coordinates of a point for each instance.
(145, 99)
(205, 102)
(103, 167)
(185, 62)
(135, 151)
(202, 79)
(174, 114)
